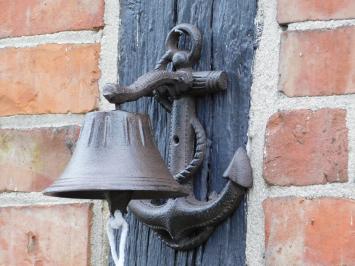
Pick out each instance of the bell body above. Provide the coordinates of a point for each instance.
(116, 152)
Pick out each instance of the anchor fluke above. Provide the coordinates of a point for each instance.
(239, 169)
(185, 223)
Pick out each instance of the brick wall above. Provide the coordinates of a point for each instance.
(302, 135)
(54, 58)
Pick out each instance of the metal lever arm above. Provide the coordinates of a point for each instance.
(146, 84)
(167, 84)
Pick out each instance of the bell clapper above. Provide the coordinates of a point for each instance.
(118, 200)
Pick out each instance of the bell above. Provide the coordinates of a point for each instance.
(115, 157)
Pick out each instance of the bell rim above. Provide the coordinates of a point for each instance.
(100, 194)
(161, 187)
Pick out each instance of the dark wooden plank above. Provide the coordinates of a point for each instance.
(228, 44)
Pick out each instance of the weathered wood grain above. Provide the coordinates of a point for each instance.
(228, 44)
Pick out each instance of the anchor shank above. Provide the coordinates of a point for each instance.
(181, 136)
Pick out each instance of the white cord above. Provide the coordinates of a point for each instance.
(116, 222)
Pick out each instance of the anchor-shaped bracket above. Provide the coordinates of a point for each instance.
(185, 223)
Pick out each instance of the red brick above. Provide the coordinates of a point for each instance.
(317, 63)
(31, 159)
(31, 17)
(301, 231)
(45, 235)
(302, 10)
(50, 78)
(304, 147)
